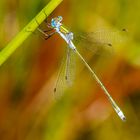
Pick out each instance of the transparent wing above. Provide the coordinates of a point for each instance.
(70, 66)
(66, 73)
(98, 40)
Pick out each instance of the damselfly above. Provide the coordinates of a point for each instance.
(57, 26)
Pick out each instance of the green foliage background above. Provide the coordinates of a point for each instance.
(28, 110)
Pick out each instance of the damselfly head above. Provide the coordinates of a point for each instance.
(56, 22)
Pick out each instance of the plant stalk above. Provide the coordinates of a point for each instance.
(28, 30)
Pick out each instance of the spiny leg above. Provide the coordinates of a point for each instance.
(46, 21)
(45, 33)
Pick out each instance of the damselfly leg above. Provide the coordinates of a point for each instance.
(47, 33)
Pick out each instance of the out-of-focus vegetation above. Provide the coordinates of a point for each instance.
(28, 110)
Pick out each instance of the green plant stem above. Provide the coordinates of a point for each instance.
(28, 30)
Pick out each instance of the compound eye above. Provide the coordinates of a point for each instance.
(53, 23)
(60, 18)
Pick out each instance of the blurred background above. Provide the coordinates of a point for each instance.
(28, 109)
